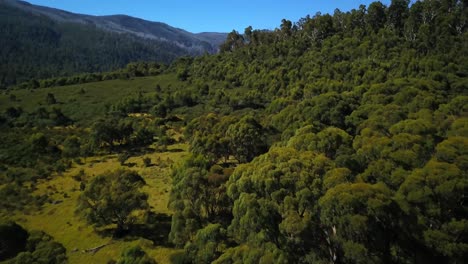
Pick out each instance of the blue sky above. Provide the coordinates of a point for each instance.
(203, 15)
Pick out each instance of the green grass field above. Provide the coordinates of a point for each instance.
(85, 103)
(60, 221)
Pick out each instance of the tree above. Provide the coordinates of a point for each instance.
(397, 13)
(71, 147)
(123, 157)
(286, 27)
(112, 198)
(142, 137)
(207, 245)
(375, 18)
(135, 255)
(247, 139)
(39, 143)
(248, 34)
(252, 253)
(275, 201)
(13, 240)
(107, 132)
(434, 195)
(360, 219)
(50, 99)
(233, 41)
(41, 249)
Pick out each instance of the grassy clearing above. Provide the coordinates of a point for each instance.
(85, 102)
(58, 218)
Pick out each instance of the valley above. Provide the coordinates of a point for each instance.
(339, 138)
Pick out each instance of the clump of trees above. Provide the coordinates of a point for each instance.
(135, 255)
(18, 246)
(113, 198)
(353, 154)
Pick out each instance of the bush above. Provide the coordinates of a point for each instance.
(123, 157)
(147, 162)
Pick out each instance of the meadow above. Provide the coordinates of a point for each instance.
(59, 219)
(84, 103)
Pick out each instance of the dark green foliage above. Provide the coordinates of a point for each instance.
(38, 47)
(111, 198)
(219, 137)
(337, 139)
(41, 249)
(123, 157)
(147, 162)
(12, 240)
(16, 197)
(50, 99)
(111, 131)
(364, 114)
(17, 246)
(207, 245)
(71, 147)
(134, 69)
(198, 197)
(135, 255)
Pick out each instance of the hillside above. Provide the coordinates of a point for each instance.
(335, 139)
(42, 42)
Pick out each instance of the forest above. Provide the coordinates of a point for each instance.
(37, 47)
(338, 138)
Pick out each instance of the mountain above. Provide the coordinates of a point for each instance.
(42, 42)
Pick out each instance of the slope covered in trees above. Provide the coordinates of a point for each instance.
(39, 42)
(336, 139)
(365, 116)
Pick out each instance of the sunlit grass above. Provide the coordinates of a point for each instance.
(86, 102)
(58, 218)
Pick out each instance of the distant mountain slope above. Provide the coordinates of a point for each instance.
(40, 42)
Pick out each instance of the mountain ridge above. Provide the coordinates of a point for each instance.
(121, 23)
(41, 42)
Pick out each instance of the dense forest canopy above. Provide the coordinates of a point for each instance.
(339, 138)
(366, 119)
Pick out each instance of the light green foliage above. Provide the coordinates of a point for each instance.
(358, 217)
(331, 141)
(207, 135)
(246, 253)
(275, 199)
(246, 139)
(208, 244)
(454, 150)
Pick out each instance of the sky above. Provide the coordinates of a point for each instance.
(208, 15)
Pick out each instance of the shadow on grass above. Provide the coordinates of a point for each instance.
(156, 229)
(175, 150)
(179, 257)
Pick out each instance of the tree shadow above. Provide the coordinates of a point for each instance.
(156, 229)
(129, 164)
(175, 150)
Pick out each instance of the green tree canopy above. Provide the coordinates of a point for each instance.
(112, 198)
